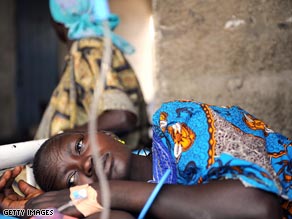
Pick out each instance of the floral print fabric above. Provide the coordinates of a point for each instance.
(201, 143)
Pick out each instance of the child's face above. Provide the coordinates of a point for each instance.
(74, 162)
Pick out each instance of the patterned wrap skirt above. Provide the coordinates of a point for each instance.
(200, 143)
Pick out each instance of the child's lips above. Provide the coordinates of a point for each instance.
(107, 161)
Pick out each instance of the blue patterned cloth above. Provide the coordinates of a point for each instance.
(200, 143)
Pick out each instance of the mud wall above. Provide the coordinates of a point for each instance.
(227, 52)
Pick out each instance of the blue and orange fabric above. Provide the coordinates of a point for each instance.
(200, 143)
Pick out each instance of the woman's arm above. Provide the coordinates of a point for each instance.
(9, 199)
(117, 121)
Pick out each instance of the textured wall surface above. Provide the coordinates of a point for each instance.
(7, 69)
(227, 52)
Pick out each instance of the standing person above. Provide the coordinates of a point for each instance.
(121, 107)
(223, 162)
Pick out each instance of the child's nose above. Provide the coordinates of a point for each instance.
(88, 166)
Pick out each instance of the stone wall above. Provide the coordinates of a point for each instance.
(227, 52)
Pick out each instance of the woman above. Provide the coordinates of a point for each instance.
(121, 108)
(223, 162)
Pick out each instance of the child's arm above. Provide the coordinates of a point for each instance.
(226, 199)
(113, 215)
(217, 199)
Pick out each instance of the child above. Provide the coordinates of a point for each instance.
(223, 162)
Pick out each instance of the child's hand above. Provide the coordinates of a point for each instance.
(54, 199)
(9, 199)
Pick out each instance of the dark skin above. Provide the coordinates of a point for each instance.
(128, 173)
(8, 197)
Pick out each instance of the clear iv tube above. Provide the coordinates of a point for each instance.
(99, 87)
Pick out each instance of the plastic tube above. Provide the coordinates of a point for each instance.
(154, 194)
(105, 67)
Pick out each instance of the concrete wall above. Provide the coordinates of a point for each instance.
(227, 52)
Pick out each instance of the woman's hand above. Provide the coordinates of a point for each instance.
(9, 199)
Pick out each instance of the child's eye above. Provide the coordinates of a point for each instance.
(79, 146)
(71, 180)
